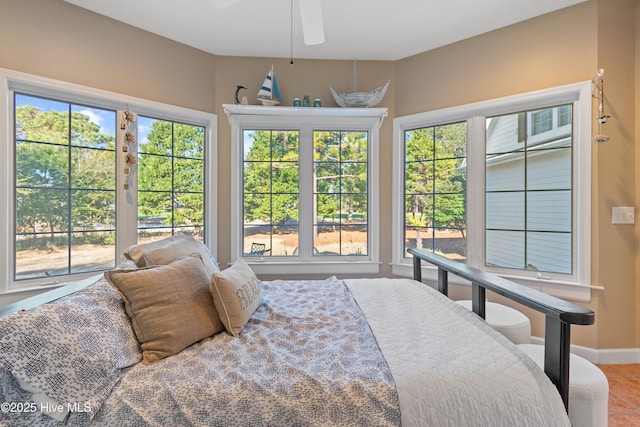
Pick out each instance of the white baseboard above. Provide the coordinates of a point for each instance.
(606, 356)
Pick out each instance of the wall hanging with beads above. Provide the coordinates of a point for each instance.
(129, 141)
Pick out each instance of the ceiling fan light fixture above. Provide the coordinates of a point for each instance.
(312, 24)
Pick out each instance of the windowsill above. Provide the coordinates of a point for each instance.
(564, 290)
(41, 297)
(270, 267)
(47, 287)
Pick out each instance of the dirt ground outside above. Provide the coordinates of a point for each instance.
(348, 241)
(54, 261)
(351, 241)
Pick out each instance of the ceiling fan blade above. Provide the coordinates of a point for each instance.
(222, 4)
(312, 25)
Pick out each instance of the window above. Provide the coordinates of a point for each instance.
(270, 193)
(306, 188)
(340, 193)
(528, 197)
(564, 115)
(64, 188)
(541, 121)
(171, 172)
(434, 188)
(503, 184)
(73, 201)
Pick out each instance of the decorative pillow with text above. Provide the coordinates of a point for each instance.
(237, 294)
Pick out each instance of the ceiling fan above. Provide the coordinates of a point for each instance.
(310, 16)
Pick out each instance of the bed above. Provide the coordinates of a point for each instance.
(289, 352)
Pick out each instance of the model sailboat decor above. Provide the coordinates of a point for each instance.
(269, 93)
(359, 99)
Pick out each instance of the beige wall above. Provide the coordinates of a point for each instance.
(613, 177)
(551, 50)
(54, 39)
(637, 174)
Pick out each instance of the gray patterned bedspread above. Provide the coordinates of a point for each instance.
(306, 357)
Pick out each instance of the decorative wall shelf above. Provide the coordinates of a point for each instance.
(281, 111)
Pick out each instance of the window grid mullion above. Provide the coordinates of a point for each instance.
(271, 172)
(69, 178)
(340, 192)
(307, 194)
(435, 194)
(525, 225)
(173, 177)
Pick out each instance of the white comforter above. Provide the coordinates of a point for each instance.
(450, 368)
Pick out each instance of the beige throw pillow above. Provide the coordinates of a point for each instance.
(170, 306)
(167, 253)
(135, 252)
(236, 295)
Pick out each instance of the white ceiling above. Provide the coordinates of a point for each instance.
(354, 29)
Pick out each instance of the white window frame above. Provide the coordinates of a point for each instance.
(126, 201)
(576, 286)
(306, 121)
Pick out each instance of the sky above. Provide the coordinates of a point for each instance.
(106, 119)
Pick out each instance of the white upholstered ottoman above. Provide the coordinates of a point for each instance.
(508, 321)
(588, 389)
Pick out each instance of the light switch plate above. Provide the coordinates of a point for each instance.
(623, 215)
